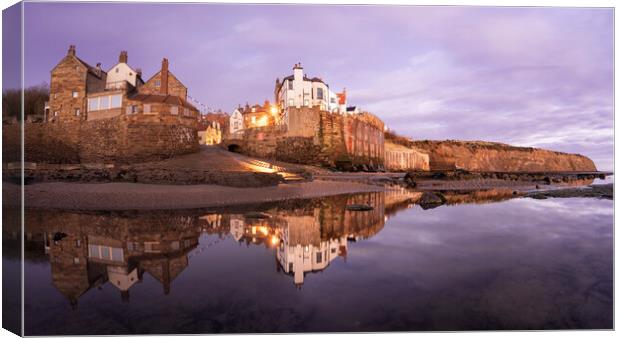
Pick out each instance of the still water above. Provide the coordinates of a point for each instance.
(484, 261)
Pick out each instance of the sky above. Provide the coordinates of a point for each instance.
(531, 76)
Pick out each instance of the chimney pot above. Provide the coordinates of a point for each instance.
(71, 50)
(122, 58)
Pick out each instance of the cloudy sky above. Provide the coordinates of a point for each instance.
(539, 77)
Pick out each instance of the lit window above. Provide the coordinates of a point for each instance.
(56, 113)
(253, 110)
(306, 102)
(76, 260)
(253, 119)
(74, 94)
(55, 95)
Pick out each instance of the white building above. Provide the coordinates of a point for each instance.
(300, 252)
(298, 90)
(121, 74)
(236, 121)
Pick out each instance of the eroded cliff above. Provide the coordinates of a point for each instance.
(499, 157)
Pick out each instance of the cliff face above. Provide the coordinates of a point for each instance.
(499, 157)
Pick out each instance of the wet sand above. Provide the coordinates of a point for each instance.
(133, 196)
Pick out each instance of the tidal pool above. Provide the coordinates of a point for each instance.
(485, 261)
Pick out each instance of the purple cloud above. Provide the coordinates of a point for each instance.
(526, 76)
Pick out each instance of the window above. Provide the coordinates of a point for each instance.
(157, 83)
(319, 93)
(147, 108)
(174, 110)
(319, 257)
(104, 102)
(291, 102)
(77, 111)
(115, 101)
(130, 74)
(116, 69)
(76, 260)
(56, 113)
(93, 103)
(333, 250)
(186, 111)
(74, 93)
(253, 110)
(55, 95)
(253, 119)
(332, 100)
(130, 110)
(290, 85)
(306, 102)
(290, 266)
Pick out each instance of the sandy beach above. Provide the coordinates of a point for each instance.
(132, 196)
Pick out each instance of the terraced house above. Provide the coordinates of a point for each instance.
(115, 116)
(79, 91)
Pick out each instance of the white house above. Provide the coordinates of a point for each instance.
(122, 73)
(236, 121)
(298, 90)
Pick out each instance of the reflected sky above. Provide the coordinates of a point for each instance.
(314, 266)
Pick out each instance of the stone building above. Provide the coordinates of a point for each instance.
(72, 80)
(209, 133)
(115, 116)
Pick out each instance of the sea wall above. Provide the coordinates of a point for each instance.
(114, 140)
(314, 137)
(402, 158)
(497, 157)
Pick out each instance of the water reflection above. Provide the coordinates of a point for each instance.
(268, 268)
(87, 250)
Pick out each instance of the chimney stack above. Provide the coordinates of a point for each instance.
(98, 68)
(71, 50)
(139, 72)
(122, 58)
(163, 89)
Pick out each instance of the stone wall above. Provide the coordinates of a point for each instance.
(402, 158)
(317, 137)
(120, 139)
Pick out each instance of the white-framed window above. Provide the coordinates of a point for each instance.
(74, 93)
(147, 108)
(77, 111)
(253, 110)
(104, 102)
(115, 101)
(93, 103)
(174, 110)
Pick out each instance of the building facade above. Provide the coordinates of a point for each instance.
(298, 91)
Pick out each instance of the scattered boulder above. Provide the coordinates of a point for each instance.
(431, 200)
